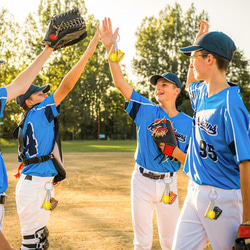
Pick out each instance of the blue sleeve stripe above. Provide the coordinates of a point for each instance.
(134, 110)
(49, 114)
(232, 148)
(234, 142)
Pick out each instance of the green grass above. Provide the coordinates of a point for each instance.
(10, 146)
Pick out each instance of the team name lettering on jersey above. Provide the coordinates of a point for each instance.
(180, 137)
(206, 126)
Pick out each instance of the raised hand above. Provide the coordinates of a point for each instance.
(106, 34)
(203, 28)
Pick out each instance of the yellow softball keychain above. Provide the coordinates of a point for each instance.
(212, 211)
(47, 204)
(118, 55)
(165, 196)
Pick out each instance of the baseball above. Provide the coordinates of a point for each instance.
(47, 205)
(211, 214)
(113, 57)
(166, 199)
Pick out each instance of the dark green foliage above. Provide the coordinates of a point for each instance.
(93, 105)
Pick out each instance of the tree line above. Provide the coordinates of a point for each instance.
(94, 106)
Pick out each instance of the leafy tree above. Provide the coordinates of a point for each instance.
(238, 73)
(93, 103)
(157, 51)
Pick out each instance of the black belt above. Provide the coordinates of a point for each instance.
(28, 177)
(152, 175)
(36, 160)
(3, 199)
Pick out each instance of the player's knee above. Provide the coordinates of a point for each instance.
(36, 241)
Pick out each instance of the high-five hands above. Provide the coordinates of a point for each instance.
(109, 40)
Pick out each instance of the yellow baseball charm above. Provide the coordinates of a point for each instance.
(113, 57)
(211, 214)
(47, 205)
(166, 199)
(118, 55)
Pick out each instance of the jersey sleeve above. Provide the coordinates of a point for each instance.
(195, 92)
(137, 107)
(3, 99)
(49, 107)
(237, 126)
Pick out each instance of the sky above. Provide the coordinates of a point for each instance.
(228, 16)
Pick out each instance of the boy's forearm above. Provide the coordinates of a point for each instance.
(119, 80)
(29, 74)
(179, 155)
(190, 77)
(23, 81)
(245, 188)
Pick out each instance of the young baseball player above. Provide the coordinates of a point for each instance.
(7, 93)
(154, 179)
(217, 162)
(35, 185)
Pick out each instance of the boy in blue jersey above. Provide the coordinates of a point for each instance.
(7, 93)
(38, 136)
(218, 157)
(152, 175)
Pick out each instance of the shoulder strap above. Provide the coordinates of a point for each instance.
(57, 137)
(20, 136)
(41, 158)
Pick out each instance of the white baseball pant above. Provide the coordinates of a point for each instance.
(30, 196)
(146, 196)
(193, 228)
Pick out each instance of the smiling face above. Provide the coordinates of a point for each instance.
(166, 90)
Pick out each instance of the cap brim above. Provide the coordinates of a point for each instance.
(188, 50)
(45, 88)
(155, 78)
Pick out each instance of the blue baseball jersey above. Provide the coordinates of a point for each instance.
(220, 137)
(38, 137)
(3, 173)
(144, 112)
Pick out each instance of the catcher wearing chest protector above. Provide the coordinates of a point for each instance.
(38, 134)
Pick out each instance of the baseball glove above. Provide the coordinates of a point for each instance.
(242, 241)
(65, 29)
(164, 136)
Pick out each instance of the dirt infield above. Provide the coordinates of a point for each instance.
(94, 204)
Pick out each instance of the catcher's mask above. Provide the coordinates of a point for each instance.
(32, 89)
(171, 77)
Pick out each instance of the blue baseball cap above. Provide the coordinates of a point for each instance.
(32, 89)
(216, 42)
(171, 77)
(1, 62)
